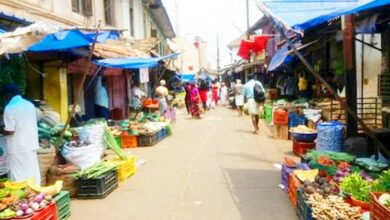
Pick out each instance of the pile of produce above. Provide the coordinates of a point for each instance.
(320, 186)
(306, 175)
(113, 145)
(382, 183)
(48, 134)
(357, 187)
(95, 171)
(332, 207)
(384, 199)
(334, 156)
(302, 129)
(22, 199)
(344, 169)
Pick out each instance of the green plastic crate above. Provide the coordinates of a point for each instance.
(62, 201)
(268, 113)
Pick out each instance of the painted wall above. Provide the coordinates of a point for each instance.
(55, 91)
(367, 74)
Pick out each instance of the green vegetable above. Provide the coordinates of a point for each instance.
(355, 185)
(382, 184)
(95, 171)
(113, 145)
(371, 164)
(4, 192)
(335, 156)
(8, 213)
(18, 193)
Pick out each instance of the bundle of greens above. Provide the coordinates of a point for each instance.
(335, 156)
(382, 184)
(113, 145)
(95, 171)
(357, 187)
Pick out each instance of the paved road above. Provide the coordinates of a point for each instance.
(212, 168)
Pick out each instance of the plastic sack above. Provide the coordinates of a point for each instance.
(82, 157)
(330, 136)
(4, 168)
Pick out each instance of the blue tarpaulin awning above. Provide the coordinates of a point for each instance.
(70, 39)
(187, 77)
(103, 36)
(305, 14)
(62, 40)
(133, 62)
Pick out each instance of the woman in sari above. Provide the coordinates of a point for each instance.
(194, 101)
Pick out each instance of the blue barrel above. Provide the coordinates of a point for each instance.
(330, 136)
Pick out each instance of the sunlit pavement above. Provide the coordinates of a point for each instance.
(213, 168)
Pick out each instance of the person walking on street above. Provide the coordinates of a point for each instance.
(21, 131)
(254, 92)
(162, 95)
(137, 97)
(187, 101)
(214, 91)
(224, 94)
(203, 88)
(101, 102)
(238, 97)
(195, 101)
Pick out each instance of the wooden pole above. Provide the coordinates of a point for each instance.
(79, 89)
(350, 72)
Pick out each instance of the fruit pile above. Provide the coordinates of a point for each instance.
(321, 185)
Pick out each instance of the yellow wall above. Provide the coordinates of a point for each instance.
(33, 89)
(55, 90)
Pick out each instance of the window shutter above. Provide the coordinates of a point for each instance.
(88, 10)
(75, 6)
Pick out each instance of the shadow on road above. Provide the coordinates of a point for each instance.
(256, 194)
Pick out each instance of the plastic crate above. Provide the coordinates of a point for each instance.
(147, 140)
(169, 129)
(268, 113)
(285, 176)
(62, 201)
(293, 186)
(300, 148)
(280, 117)
(295, 120)
(129, 141)
(164, 132)
(377, 210)
(304, 210)
(126, 169)
(48, 213)
(97, 188)
(160, 135)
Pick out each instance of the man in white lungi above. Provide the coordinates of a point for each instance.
(20, 128)
(238, 97)
(253, 106)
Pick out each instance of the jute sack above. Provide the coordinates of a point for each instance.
(45, 160)
(64, 173)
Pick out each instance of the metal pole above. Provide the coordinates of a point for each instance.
(248, 37)
(218, 64)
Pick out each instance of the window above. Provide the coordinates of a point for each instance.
(83, 7)
(153, 33)
(132, 18)
(109, 12)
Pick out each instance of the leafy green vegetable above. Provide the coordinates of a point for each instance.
(382, 184)
(95, 171)
(335, 156)
(355, 185)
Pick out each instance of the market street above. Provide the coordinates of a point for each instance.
(213, 168)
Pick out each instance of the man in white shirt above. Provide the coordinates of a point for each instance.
(21, 132)
(137, 97)
(101, 102)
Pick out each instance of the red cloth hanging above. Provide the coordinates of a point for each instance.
(245, 49)
(260, 43)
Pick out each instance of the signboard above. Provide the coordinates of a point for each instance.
(144, 75)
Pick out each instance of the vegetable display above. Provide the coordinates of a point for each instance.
(95, 171)
(113, 145)
(335, 156)
(356, 186)
(320, 186)
(332, 207)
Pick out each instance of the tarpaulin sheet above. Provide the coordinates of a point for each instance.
(2, 31)
(187, 77)
(103, 36)
(281, 57)
(134, 62)
(61, 40)
(304, 14)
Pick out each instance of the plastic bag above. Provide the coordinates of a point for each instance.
(82, 157)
